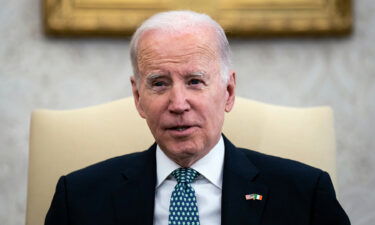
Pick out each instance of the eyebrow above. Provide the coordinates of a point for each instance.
(198, 73)
(151, 77)
(154, 76)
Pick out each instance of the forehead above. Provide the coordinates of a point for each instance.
(157, 47)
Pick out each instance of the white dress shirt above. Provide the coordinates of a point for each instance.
(207, 186)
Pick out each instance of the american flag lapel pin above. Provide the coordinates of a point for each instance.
(253, 197)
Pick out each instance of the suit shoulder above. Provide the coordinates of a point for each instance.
(273, 162)
(283, 169)
(109, 168)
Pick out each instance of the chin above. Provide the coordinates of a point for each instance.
(182, 150)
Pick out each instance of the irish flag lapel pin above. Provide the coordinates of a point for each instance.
(254, 197)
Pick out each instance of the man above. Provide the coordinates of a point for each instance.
(192, 175)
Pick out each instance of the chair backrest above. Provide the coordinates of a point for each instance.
(64, 141)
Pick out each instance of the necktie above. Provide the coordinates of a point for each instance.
(183, 209)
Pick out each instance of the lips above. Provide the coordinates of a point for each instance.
(181, 130)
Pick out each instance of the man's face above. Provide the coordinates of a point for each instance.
(181, 93)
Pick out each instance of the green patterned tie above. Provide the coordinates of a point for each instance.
(183, 209)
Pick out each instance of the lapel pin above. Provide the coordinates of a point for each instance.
(253, 197)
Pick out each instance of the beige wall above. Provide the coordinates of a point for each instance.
(38, 72)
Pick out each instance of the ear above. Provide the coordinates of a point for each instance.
(230, 88)
(137, 97)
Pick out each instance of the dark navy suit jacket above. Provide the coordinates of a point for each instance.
(121, 191)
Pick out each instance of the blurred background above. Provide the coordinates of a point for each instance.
(66, 73)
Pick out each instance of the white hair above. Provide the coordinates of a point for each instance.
(179, 21)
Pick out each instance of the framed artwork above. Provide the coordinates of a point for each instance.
(238, 17)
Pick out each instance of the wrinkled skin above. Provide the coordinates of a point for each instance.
(180, 92)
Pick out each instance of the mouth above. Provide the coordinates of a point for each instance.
(181, 130)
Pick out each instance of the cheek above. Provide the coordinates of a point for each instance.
(218, 100)
(213, 110)
(219, 106)
(153, 110)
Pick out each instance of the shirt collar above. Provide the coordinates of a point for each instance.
(210, 166)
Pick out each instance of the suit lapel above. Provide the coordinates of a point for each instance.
(239, 179)
(134, 199)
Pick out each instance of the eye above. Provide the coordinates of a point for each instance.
(195, 82)
(159, 84)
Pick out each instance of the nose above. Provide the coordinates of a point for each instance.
(178, 100)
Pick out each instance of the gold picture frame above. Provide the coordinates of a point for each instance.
(238, 17)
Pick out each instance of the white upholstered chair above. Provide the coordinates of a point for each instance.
(64, 141)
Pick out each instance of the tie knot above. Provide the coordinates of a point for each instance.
(185, 175)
